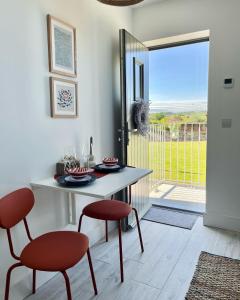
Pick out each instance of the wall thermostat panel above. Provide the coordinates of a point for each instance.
(228, 83)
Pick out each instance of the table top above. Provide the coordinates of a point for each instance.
(103, 187)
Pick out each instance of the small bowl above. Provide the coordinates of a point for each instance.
(110, 161)
(79, 172)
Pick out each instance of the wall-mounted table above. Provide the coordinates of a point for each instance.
(102, 188)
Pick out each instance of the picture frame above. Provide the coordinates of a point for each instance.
(138, 80)
(61, 47)
(64, 98)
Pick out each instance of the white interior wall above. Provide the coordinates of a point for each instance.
(173, 17)
(30, 141)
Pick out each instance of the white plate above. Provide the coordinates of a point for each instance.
(74, 179)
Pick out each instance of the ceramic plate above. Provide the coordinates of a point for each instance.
(108, 169)
(68, 180)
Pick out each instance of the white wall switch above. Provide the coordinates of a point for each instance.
(226, 123)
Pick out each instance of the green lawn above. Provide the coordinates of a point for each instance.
(192, 168)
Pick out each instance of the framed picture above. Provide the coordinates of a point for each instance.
(64, 95)
(138, 80)
(62, 47)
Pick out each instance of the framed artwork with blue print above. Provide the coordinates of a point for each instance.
(62, 47)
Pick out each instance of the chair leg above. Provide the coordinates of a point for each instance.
(8, 279)
(130, 195)
(120, 249)
(92, 272)
(139, 229)
(34, 282)
(68, 288)
(80, 223)
(106, 230)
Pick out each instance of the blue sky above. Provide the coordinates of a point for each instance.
(179, 73)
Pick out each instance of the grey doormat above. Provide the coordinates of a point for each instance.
(216, 278)
(171, 217)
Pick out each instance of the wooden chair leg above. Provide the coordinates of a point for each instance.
(8, 279)
(68, 287)
(92, 272)
(106, 230)
(139, 229)
(120, 250)
(80, 223)
(34, 282)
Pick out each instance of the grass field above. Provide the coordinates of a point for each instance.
(184, 162)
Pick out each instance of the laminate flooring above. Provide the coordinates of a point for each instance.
(163, 272)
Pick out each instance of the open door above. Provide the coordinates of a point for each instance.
(134, 87)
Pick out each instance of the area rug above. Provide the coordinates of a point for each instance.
(216, 278)
(173, 217)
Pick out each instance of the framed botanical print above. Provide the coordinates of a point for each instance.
(62, 47)
(138, 80)
(64, 98)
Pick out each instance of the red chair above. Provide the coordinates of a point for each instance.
(51, 252)
(112, 210)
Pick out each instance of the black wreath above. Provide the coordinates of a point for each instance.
(141, 116)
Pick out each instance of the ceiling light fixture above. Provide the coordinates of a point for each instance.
(120, 2)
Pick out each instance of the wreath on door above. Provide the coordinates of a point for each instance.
(141, 116)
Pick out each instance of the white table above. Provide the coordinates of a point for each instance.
(102, 188)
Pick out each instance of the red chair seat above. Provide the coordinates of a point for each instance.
(55, 251)
(110, 210)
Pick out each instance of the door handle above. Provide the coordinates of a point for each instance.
(124, 131)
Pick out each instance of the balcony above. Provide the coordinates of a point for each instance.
(177, 155)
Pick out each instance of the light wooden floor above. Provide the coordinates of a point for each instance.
(164, 271)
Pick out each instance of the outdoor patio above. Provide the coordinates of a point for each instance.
(180, 197)
(177, 155)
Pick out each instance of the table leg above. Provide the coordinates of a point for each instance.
(71, 209)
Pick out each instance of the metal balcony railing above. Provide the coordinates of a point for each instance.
(177, 153)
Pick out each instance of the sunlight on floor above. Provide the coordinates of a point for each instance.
(179, 193)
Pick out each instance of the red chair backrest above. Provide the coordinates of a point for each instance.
(15, 206)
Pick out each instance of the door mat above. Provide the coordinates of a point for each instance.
(171, 217)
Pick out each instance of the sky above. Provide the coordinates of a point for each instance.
(179, 74)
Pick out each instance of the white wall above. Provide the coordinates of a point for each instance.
(173, 17)
(30, 141)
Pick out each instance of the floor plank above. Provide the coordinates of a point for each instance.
(178, 282)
